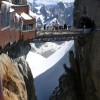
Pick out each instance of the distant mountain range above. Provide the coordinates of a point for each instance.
(48, 14)
(50, 2)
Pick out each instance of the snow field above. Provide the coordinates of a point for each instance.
(46, 71)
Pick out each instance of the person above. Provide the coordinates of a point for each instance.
(65, 26)
(44, 26)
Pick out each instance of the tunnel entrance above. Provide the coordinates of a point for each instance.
(86, 22)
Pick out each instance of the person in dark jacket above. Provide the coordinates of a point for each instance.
(65, 26)
(44, 26)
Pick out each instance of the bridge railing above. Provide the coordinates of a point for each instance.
(58, 32)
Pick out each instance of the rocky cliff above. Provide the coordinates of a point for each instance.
(15, 73)
(87, 50)
(85, 66)
(90, 7)
(13, 83)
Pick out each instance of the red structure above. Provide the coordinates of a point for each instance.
(5, 29)
(28, 27)
(16, 24)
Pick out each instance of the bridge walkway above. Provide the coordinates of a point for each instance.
(58, 35)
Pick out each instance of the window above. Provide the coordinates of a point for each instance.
(25, 27)
(29, 27)
(17, 25)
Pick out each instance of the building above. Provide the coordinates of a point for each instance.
(16, 24)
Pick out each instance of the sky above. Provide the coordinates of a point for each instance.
(50, 1)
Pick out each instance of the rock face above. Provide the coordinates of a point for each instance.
(88, 50)
(84, 53)
(27, 75)
(86, 63)
(17, 78)
(13, 82)
(69, 84)
(90, 7)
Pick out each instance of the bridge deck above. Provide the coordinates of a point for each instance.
(57, 35)
(58, 32)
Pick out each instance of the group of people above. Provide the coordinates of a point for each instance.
(56, 27)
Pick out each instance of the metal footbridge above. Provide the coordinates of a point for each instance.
(58, 35)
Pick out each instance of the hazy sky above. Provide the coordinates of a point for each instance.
(50, 1)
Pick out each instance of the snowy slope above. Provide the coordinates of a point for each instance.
(34, 60)
(46, 49)
(48, 70)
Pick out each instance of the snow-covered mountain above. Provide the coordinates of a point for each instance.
(50, 2)
(60, 12)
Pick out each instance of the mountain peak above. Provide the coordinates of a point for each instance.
(49, 2)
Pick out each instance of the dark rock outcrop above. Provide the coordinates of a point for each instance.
(87, 66)
(89, 7)
(19, 49)
(27, 75)
(69, 84)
